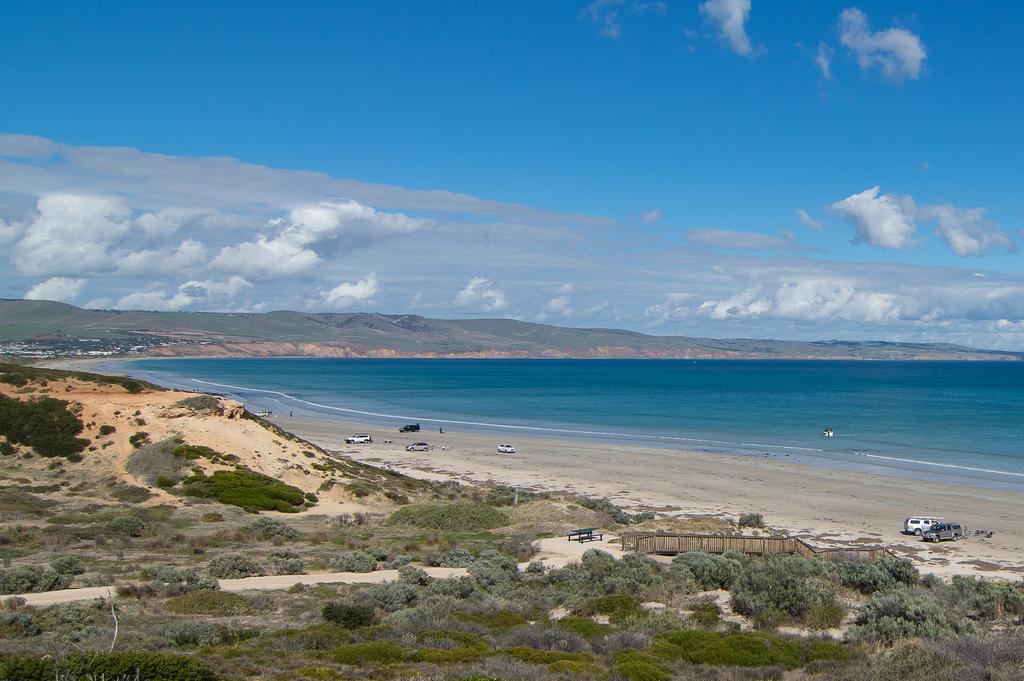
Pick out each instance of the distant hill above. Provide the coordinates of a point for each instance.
(286, 333)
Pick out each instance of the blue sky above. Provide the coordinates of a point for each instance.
(628, 163)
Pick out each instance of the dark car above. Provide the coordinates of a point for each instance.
(411, 428)
(944, 532)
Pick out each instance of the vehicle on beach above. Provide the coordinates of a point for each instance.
(417, 447)
(263, 412)
(359, 439)
(944, 532)
(506, 449)
(410, 428)
(916, 525)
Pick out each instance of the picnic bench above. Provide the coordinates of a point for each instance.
(585, 534)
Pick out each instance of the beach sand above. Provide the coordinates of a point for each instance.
(826, 506)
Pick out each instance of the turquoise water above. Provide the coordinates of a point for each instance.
(949, 420)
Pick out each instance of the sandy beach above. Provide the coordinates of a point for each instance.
(824, 505)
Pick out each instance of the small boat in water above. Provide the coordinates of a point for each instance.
(828, 433)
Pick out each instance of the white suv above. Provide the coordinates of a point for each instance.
(918, 525)
(506, 449)
(360, 439)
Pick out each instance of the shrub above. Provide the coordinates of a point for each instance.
(617, 607)
(217, 603)
(354, 561)
(706, 614)
(371, 652)
(707, 570)
(616, 514)
(18, 625)
(68, 565)
(206, 404)
(988, 600)
(287, 563)
(212, 518)
(233, 566)
(45, 424)
(109, 666)
(348, 615)
(204, 633)
(885, 573)
(127, 526)
(457, 557)
(744, 649)
(31, 578)
(826, 613)
(268, 528)
(897, 614)
(247, 489)
(777, 583)
(139, 439)
(107, 429)
(458, 517)
(751, 520)
(411, 574)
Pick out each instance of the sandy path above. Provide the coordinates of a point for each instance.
(555, 552)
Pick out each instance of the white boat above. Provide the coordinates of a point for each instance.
(828, 433)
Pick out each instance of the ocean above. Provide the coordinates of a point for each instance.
(950, 421)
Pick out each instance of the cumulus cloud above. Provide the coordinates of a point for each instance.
(730, 17)
(347, 294)
(191, 293)
(807, 221)
(742, 241)
(651, 217)
(308, 232)
(886, 220)
(897, 51)
(966, 230)
(561, 304)
(162, 261)
(70, 234)
(823, 59)
(62, 289)
(481, 295)
(9, 231)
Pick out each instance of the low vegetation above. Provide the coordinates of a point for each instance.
(247, 489)
(45, 425)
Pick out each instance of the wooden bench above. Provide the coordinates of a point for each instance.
(585, 534)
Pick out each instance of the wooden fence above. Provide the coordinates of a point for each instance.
(669, 544)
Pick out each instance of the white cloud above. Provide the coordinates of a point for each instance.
(71, 234)
(167, 220)
(9, 231)
(158, 301)
(347, 294)
(162, 261)
(745, 241)
(210, 288)
(807, 221)
(193, 293)
(481, 295)
(808, 300)
(730, 16)
(63, 289)
(309, 232)
(899, 52)
(605, 15)
(966, 230)
(823, 58)
(101, 303)
(886, 220)
(651, 217)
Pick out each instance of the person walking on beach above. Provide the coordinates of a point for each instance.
(441, 430)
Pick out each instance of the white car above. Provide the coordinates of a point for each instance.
(360, 439)
(506, 449)
(417, 447)
(263, 412)
(918, 525)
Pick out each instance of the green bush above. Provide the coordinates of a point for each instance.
(206, 404)
(286, 563)
(216, 603)
(18, 374)
(127, 526)
(826, 613)
(68, 565)
(139, 439)
(776, 583)
(707, 570)
(751, 520)
(45, 424)
(268, 528)
(743, 649)
(107, 429)
(885, 573)
(247, 489)
(354, 561)
(233, 566)
(457, 517)
(617, 607)
(348, 615)
(370, 652)
(633, 669)
(108, 666)
(31, 578)
(706, 614)
(893, 615)
(18, 625)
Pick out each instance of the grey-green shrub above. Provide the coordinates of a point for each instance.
(354, 561)
(268, 528)
(707, 571)
(286, 563)
(778, 583)
(31, 578)
(128, 526)
(233, 566)
(68, 565)
(897, 614)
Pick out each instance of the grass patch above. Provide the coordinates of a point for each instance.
(370, 652)
(584, 626)
(457, 517)
(247, 489)
(216, 603)
(743, 649)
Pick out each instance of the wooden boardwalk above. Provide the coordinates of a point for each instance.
(670, 544)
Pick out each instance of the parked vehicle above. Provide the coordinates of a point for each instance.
(359, 439)
(410, 428)
(417, 447)
(263, 412)
(506, 449)
(944, 532)
(918, 524)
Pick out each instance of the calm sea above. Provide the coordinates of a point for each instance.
(940, 420)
